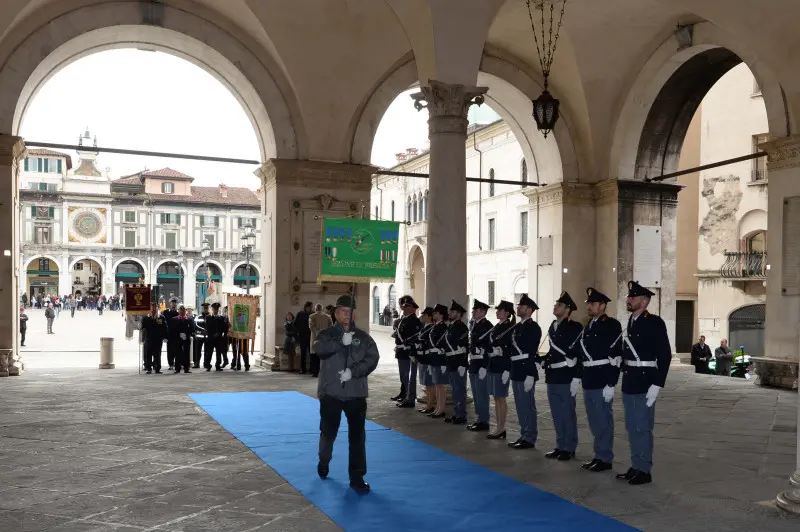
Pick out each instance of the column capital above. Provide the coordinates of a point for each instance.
(315, 174)
(564, 193)
(448, 105)
(783, 152)
(12, 149)
(628, 191)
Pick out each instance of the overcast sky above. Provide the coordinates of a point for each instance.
(153, 101)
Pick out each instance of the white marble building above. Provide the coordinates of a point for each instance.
(82, 232)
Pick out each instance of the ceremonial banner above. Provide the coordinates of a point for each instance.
(242, 313)
(137, 299)
(358, 251)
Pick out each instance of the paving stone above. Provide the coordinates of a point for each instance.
(26, 521)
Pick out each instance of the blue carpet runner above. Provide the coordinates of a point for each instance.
(415, 486)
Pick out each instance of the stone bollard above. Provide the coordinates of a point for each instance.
(106, 353)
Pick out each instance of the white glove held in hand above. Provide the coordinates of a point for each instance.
(482, 373)
(608, 394)
(528, 385)
(183, 336)
(497, 352)
(538, 367)
(461, 371)
(652, 393)
(573, 387)
(505, 376)
(571, 362)
(347, 338)
(444, 369)
(345, 375)
(430, 370)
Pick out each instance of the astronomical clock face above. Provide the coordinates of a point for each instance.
(87, 225)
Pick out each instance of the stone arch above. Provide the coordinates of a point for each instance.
(661, 102)
(252, 78)
(511, 90)
(255, 267)
(131, 259)
(159, 264)
(209, 261)
(51, 258)
(752, 222)
(416, 270)
(87, 257)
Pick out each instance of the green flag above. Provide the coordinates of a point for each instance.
(358, 251)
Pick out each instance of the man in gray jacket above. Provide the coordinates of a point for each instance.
(347, 356)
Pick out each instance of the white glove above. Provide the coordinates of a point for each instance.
(497, 352)
(571, 362)
(183, 336)
(573, 387)
(652, 393)
(528, 383)
(608, 394)
(413, 360)
(505, 377)
(482, 373)
(538, 367)
(345, 375)
(444, 369)
(430, 370)
(461, 371)
(616, 361)
(347, 338)
(480, 351)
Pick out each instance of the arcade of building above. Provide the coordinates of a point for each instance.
(316, 76)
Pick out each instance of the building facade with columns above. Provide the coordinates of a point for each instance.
(83, 233)
(627, 97)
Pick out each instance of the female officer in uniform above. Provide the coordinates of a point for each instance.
(421, 347)
(436, 367)
(500, 366)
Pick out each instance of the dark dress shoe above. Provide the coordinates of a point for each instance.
(587, 465)
(458, 420)
(640, 478)
(523, 444)
(177, 371)
(498, 436)
(247, 368)
(358, 484)
(186, 371)
(158, 371)
(196, 366)
(628, 474)
(208, 369)
(552, 455)
(322, 470)
(426, 410)
(565, 456)
(600, 466)
(148, 372)
(398, 396)
(405, 405)
(478, 427)
(515, 442)
(436, 416)
(450, 419)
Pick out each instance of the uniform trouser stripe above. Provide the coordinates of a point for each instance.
(562, 408)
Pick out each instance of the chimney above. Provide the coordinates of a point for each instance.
(223, 189)
(412, 152)
(401, 157)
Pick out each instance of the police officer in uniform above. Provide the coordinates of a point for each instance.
(181, 329)
(600, 361)
(561, 375)
(200, 335)
(407, 328)
(212, 325)
(646, 354)
(525, 340)
(456, 346)
(155, 332)
(480, 346)
(172, 348)
(500, 365)
(422, 357)
(436, 359)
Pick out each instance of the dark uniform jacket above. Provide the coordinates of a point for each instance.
(600, 341)
(480, 345)
(421, 343)
(646, 342)
(456, 345)
(436, 344)
(561, 363)
(216, 328)
(361, 357)
(169, 313)
(200, 324)
(177, 326)
(501, 337)
(155, 330)
(407, 327)
(525, 340)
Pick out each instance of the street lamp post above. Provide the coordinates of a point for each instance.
(205, 251)
(248, 243)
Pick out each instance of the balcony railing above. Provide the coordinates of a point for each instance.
(745, 265)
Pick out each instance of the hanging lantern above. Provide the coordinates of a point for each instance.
(545, 107)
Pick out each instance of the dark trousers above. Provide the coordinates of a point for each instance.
(314, 364)
(152, 356)
(182, 354)
(197, 349)
(305, 351)
(22, 336)
(172, 349)
(330, 413)
(241, 354)
(701, 367)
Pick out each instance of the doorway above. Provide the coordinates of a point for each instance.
(684, 326)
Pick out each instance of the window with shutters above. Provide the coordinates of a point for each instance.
(211, 240)
(171, 240)
(170, 219)
(43, 212)
(759, 172)
(42, 234)
(167, 188)
(130, 239)
(523, 229)
(490, 293)
(491, 230)
(129, 217)
(392, 210)
(44, 265)
(523, 171)
(209, 221)
(243, 221)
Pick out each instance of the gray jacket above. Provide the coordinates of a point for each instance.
(361, 356)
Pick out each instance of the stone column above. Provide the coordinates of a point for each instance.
(297, 196)
(779, 366)
(189, 284)
(446, 263)
(12, 151)
(227, 276)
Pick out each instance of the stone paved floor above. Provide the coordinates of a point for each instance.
(91, 450)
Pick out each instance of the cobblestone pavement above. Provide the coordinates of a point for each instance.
(94, 450)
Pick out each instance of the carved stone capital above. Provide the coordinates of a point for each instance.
(782, 153)
(565, 193)
(12, 150)
(315, 174)
(447, 105)
(626, 191)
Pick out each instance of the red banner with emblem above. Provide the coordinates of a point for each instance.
(137, 299)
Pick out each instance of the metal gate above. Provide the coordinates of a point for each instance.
(746, 326)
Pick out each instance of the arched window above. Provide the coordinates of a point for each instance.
(756, 243)
(415, 209)
(376, 213)
(425, 206)
(523, 171)
(392, 210)
(408, 209)
(491, 184)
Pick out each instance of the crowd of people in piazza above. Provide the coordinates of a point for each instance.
(437, 348)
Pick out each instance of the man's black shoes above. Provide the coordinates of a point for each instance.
(322, 470)
(359, 485)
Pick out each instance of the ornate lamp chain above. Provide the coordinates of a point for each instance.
(546, 58)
